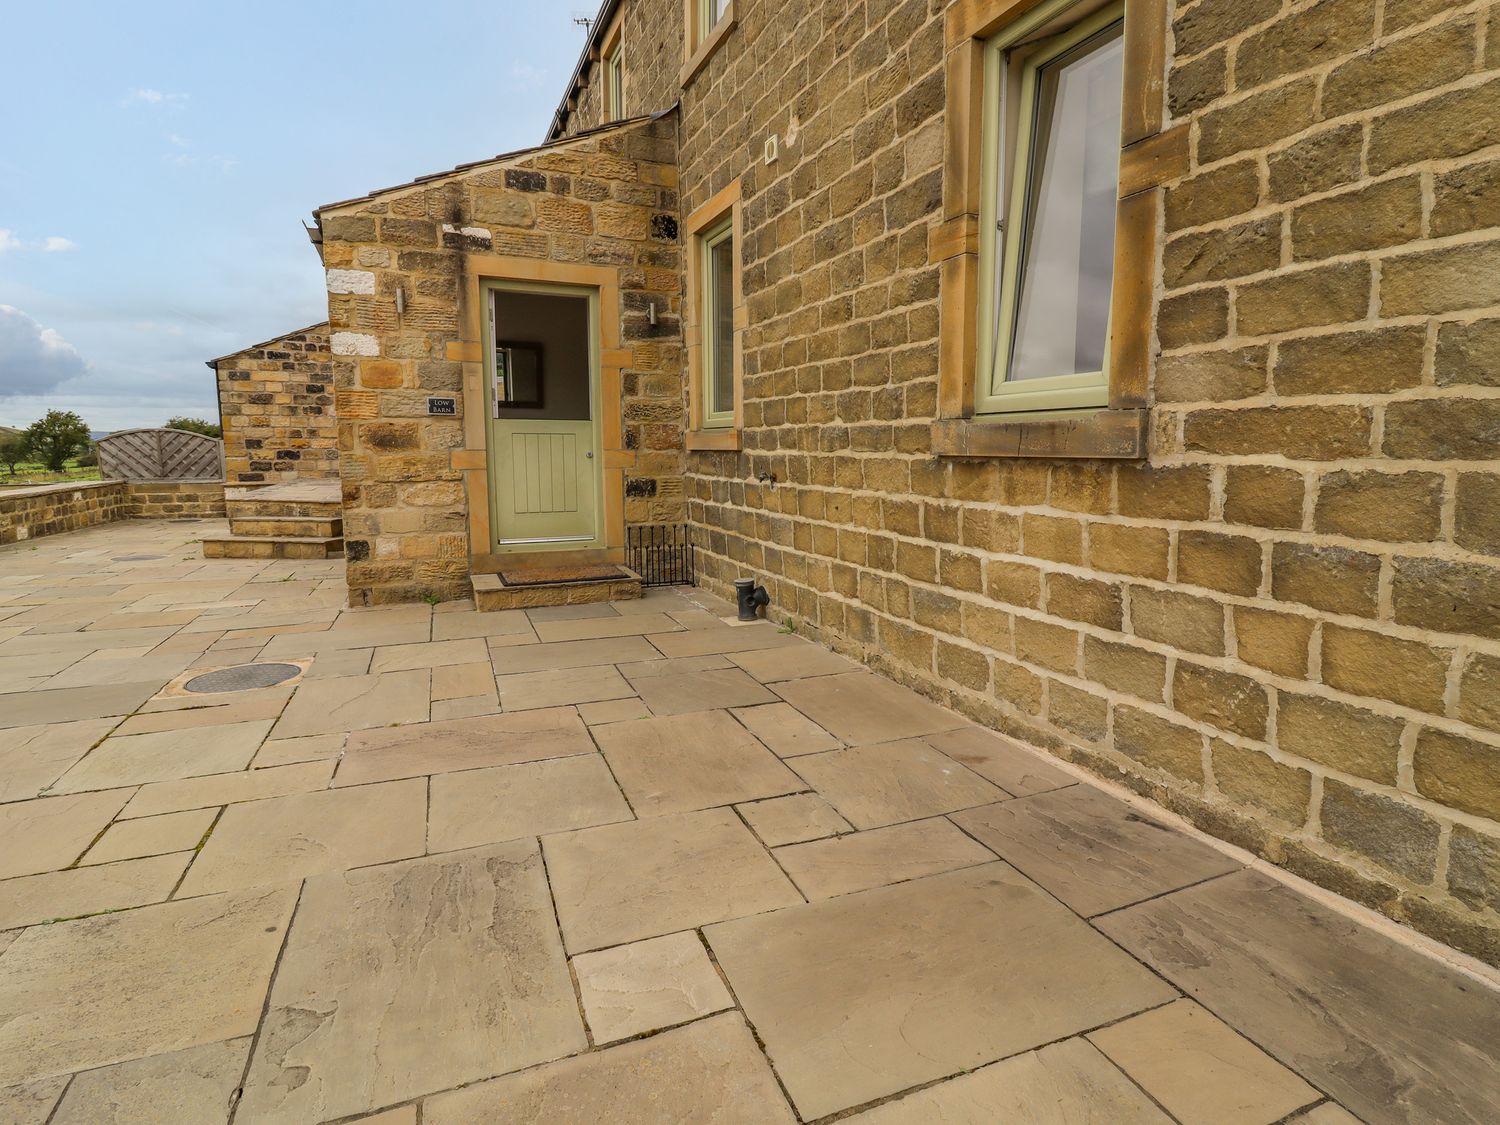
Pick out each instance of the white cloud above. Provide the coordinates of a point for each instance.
(56, 245)
(147, 96)
(8, 240)
(33, 359)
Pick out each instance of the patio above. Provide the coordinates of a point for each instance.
(628, 862)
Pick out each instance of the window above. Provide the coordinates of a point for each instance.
(715, 316)
(710, 12)
(707, 22)
(614, 84)
(717, 319)
(1054, 136)
(1048, 219)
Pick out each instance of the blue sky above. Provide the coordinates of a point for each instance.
(157, 159)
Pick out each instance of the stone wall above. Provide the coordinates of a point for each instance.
(30, 513)
(607, 199)
(276, 407)
(651, 58)
(1286, 624)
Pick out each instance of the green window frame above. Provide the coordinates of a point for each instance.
(1007, 185)
(709, 14)
(614, 84)
(717, 306)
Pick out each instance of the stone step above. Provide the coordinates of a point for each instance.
(274, 547)
(243, 507)
(297, 527)
(491, 592)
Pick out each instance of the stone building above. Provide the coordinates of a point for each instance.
(277, 411)
(1123, 374)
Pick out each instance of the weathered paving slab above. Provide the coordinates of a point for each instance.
(1389, 1033)
(691, 761)
(863, 996)
(706, 1071)
(32, 758)
(1093, 851)
(527, 799)
(410, 978)
(825, 868)
(624, 882)
(1068, 1083)
(894, 781)
(194, 1085)
(50, 833)
(102, 990)
(462, 744)
(89, 890)
(862, 708)
(290, 838)
(646, 985)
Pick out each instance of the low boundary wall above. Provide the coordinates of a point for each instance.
(30, 513)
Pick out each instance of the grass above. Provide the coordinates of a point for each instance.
(37, 473)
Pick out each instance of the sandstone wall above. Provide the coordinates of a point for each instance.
(30, 513)
(276, 407)
(651, 57)
(608, 199)
(1286, 624)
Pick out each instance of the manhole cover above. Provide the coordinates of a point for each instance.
(244, 678)
(135, 558)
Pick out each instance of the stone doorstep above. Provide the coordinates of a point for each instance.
(273, 547)
(491, 593)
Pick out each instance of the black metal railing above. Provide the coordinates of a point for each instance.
(661, 553)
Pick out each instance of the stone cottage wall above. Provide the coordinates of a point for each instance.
(605, 199)
(1286, 624)
(276, 407)
(651, 56)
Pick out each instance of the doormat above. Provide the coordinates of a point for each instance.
(554, 575)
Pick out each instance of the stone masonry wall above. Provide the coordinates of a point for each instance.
(607, 199)
(651, 59)
(30, 513)
(1286, 624)
(276, 407)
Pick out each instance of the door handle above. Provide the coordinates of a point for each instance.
(589, 454)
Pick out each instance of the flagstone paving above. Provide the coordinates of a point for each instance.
(634, 863)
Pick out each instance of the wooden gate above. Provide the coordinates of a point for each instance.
(160, 455)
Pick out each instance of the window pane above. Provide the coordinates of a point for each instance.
(721, 316)
(1067, 253)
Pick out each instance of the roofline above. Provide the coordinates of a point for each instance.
(469, 166)
(585, 60)
(214, 363)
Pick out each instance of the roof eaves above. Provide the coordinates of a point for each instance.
(585, 60)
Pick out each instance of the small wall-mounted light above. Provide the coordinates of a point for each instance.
(400, 301)
(773, 149)
(651, 313)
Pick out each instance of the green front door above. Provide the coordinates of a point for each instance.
(542, 358)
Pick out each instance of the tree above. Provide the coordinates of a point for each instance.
(13, 450)
(195, 426)
(55, 438)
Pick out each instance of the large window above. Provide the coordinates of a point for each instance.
(1057, 146)
(1052, 168)
(717, 319)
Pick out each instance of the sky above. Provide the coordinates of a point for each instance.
(157, 161)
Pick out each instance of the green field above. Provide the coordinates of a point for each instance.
(37, 473)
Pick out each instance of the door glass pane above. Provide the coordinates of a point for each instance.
(1068, 247)
(721, 314)
(541, 359)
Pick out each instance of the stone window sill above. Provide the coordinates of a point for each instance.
(1109, 434)
(699, 58)
(699, 440)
